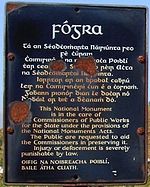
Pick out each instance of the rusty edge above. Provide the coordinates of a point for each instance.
(9, 7)
(13, 6)
(82, 183)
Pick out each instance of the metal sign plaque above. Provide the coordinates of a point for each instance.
(75, 94)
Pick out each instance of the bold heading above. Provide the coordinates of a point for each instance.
(75, 31)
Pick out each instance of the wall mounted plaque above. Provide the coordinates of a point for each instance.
(75, 94)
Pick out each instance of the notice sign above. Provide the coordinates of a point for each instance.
(75, 94)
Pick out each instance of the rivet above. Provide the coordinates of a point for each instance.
(75, 177)
(11, 56)
(10, 130)
(140, 131)
(141, 59)
(77, 10)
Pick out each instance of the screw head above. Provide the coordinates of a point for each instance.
(11, 56)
